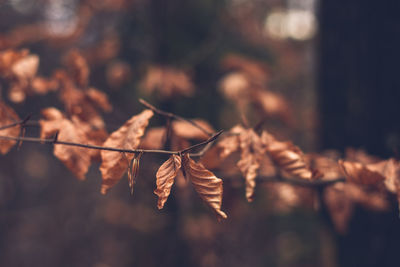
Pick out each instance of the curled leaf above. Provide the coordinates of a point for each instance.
(167, 82)
(288, 157)
(8, 116)
(77, 159)
(206, 184)
(251, 155)
(359, 173)
(165, 178)
(133, 171)
(114, 164)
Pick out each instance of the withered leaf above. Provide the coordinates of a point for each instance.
(82, 103)
(287, 157)
(167, 81)
(206, 184)
(359, 173)
(230, 144)
(186, 130)
(342, 197)
(165, 178)
(8, 116)
(77, 159)
(251, 155)
(114, 164)
(133, 171)
(78, 67)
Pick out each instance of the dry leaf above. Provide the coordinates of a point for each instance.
(252, 153)
(287, 157)
(26, 67)
(206, 184)
(167, 82)
(82, 103)
(255, 70)
(272, 104)
(186, 130)
(165, 178)
(77, 159)
(78, 67)
(42, 85)
(153, 139)
(8, 116)
(341, 198)
(114, 164)
(359, 173)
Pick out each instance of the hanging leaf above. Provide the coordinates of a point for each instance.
(288, 157)
(206, 184)
(114, 164)
(359, 173)
(8, 116)
(165, 178)
(77, 159)
(251, 155)
(133, 171)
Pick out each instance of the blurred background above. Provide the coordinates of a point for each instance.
(327, 71)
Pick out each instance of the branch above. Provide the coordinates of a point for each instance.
(55, 141)
(293, 181)
(173, 116)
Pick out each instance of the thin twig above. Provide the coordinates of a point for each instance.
(55, 141)
(293, 180)
(173, 116)
(209, 140)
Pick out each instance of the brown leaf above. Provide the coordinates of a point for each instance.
(78, 67)
(341, 198)
(153, 139)
(186, 130)
(359, 173)
(272, 104)
(99, 98)
(42, 85)
(255, 70)
(77, 159)
(82, 103)
(165, 178)
(231, 143)
(206, 184)
(114, 164)
(251, 155)
(8, 116)
(287, 157)
(26, 67)
(167, 82)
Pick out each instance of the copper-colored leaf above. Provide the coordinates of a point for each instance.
(99, 98)
(114, 164)
(8, 116)
(229, 144)
(165, 178)
(341, 198)
(251, 155)
(77, 159)
(133, 171)
(186, 130)
(206, 184)
(288, 158)
(82, 103)
(167, 81)
(272, 104)
(360, 174)
(153, 139)
(26, 67)
(78, 67)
